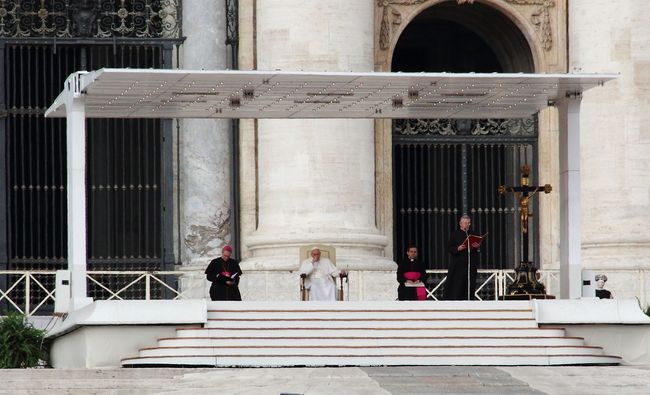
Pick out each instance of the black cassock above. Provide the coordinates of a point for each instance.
(219, 272)
(456, 283)
(409, 265)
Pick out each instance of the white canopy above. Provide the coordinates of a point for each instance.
(148, 93)
(129, 93)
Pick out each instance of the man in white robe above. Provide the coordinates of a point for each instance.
(320, 275)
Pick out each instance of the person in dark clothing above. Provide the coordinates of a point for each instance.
(224, 273)
(411, 270)
(456, 283)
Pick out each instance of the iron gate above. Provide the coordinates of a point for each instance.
(444, 168)
(129, 168)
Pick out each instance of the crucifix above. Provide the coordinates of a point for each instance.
(526, 281)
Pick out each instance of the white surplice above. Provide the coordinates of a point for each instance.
(320, 278)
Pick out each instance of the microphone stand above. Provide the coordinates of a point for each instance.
(468, 262)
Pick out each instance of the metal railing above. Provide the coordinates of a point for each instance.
(31, 292)
(491, 283)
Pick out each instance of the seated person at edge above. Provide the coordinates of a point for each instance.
(456, 283)
(412, 270)
(320, 274)
(224, 273)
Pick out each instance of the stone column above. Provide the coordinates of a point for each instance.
(204, 151)
(608, 36)
(316, 177)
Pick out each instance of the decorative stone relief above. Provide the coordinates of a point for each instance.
(392, 18)
(540, 18)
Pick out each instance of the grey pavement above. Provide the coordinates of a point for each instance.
(332, 380)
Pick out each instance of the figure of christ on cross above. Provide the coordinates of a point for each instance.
(524, 193)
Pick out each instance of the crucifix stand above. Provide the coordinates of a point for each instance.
(525, 285)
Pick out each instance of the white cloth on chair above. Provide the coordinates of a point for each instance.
(320, 278)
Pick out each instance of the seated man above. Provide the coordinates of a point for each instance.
(319, 274)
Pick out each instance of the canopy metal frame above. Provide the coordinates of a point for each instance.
(135, 93)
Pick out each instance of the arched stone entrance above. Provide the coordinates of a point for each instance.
(450, 37)
(444, 168)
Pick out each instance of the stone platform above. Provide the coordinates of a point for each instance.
(199, 333)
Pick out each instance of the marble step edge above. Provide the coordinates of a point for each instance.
(467, 360)
(370, 350)
(371, 319)
(361, 310)
(372, 315)
(377, 341)
(411, 331)
(368, 305)
(362, 326)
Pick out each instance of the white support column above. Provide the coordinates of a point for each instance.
(570, 207)
(76, 186)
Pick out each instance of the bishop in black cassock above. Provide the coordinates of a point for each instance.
(456, 283)
(224, 273)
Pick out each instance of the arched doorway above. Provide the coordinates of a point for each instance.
(443, 168)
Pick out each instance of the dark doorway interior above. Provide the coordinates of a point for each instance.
(443, 168)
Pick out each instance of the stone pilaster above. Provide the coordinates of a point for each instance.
(204, 145)
(614, 37)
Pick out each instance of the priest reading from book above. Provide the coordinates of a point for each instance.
(224, 273)
(320, 274)
(410, 276)
(463, 247)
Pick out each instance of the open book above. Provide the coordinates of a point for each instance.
(474, 239)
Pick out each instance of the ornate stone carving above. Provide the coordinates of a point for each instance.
(459, 127)
(391, 16)
(541, 19)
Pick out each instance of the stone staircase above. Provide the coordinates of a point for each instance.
(370, 334)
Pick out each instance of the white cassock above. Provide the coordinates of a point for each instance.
(320, 278)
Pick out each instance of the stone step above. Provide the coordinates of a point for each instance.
(376, 314)
(372, 341)
(365, 331)
(365, 306)
(338, 360)
(366, 322)
(347, 351)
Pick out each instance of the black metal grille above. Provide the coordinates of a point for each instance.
(124, 169)
(443, 169)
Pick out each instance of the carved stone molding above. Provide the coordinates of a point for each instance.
(391, 18)
(540, 18)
